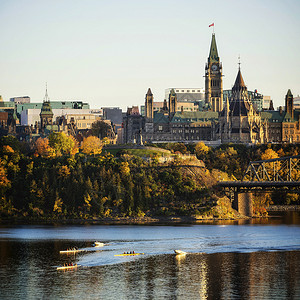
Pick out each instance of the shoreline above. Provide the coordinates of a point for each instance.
(283, 208)
(154, 220)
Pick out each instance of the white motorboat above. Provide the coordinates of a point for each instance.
(179, 252)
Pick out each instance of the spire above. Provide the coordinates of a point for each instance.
(239, 82)
(289, 93)
(149, 93)
(213, 53)
(46, 98)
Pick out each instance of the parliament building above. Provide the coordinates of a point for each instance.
(235, 120)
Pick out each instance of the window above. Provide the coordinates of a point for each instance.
(160, 128)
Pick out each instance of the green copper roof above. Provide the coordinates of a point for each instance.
(160, 118)
(213, 53)
(276, 117)
(194, 116)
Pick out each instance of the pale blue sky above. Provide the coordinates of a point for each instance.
(108, 53)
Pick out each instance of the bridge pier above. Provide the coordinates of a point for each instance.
(242, 202)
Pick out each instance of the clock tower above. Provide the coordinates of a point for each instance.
(213, 79)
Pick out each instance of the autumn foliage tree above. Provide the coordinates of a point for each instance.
(91, 145)
(63, 144)
(42, 147)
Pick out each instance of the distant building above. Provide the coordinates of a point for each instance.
(133, 123)
(114, 114)
(297, 102)
(20, 100)
(187, 94)
(267, 103)
(284, 125)
(32, 116)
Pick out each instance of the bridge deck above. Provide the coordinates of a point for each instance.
(258, 184)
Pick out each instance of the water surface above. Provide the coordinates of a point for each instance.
(250, 261)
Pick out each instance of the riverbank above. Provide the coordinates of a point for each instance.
(158, 220)
(283, 208)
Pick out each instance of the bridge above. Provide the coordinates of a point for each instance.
(261, 176)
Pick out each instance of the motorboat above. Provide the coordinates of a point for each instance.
(179, 252)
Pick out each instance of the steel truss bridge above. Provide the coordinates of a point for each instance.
(265, 175)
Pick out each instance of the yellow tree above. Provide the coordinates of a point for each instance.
(201, 149)
(269, 154)
(91, 145)
(63, 144)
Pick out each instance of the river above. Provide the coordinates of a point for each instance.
(256, 260)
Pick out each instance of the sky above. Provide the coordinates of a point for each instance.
(108, 53)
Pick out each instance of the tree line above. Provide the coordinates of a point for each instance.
(55, 178)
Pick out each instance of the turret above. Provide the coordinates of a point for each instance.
(149, 105)
(172, 103)
(289, 103)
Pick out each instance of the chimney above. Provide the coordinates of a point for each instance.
(280, 110)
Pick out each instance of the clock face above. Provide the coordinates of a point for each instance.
(214, 67)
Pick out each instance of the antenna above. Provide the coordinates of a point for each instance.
(239, 63)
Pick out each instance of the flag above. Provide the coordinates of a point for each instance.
(213, 24)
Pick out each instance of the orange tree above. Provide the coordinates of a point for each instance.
(91, 145)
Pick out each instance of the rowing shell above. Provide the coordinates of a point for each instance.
(68, 267)
(179, 252)
(132, 254)
(70, 251)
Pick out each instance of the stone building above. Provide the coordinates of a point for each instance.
(239, 122)
(133, 123)
(213, 79)
(283, 125)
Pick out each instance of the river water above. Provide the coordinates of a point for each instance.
(255, 260)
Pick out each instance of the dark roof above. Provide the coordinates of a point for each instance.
(289, 93)
(240, 103)
(239, 107)
(239, 82)
(160, 118)
(149, 93)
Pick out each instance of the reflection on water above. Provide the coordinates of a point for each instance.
(27, 271)
(250, 261)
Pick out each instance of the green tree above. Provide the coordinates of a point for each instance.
(100, 129)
